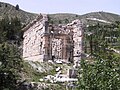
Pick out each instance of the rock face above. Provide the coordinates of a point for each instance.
(44, 41)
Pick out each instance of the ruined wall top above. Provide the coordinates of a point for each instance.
(65, 28)
(40, 17)
(62, 28)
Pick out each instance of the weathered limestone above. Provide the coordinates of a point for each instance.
(44, 41)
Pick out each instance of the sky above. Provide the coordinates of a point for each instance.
(67, 6)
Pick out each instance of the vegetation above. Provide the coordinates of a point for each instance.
(14, 11)
(10, 30)
(33, 74)
(17, 7)
(26, 17)
(10, 66)
(102, 72)
(99, 15)
(96, 36)
(11, 63)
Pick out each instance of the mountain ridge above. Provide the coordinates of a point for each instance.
(58, 18)
(10, 11)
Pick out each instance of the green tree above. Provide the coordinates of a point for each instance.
(10, 66)
(6, 5)
(15, 29)
(4, 26)
(60, 22)
(103, 71)
(0, 4)
(102, 74)
(10, 29)
(66, 21)
(17, 7)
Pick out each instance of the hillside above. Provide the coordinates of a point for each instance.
(10, 11)
(89, 18)
(104, 17)
(63, 17)
(93, 17)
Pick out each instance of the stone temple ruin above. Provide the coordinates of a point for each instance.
(44, 41)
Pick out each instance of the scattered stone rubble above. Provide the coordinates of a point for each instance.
(37, 86)
(41, 67)
(71, 76)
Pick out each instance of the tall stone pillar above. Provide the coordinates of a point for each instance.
(77, 38)
(64, 48)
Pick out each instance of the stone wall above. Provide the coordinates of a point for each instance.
(44, 41)
(34, 41)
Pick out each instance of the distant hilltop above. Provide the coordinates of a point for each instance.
(11, 11)
(60, 18)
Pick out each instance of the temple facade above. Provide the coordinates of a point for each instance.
(44, 41)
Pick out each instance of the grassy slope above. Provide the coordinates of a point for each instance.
(99, 15)
(102, 15)
(34, 74)
(11, 12)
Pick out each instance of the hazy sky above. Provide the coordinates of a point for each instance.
(67, 6)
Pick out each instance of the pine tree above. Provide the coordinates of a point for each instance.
(17, 7)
